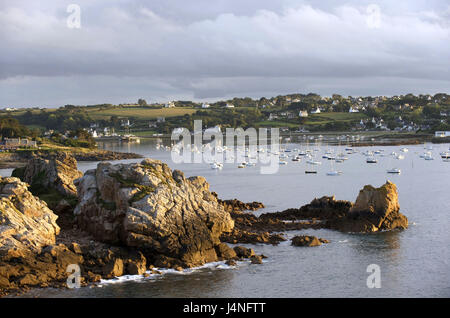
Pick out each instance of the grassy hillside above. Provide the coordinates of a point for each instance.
(139, 112)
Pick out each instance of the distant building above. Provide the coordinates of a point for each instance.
(442, 133)
(316, 111)
(229, 105)
(205, 105)
(161, 119)
(125, 123)
(353, 110)
(170, 104)
(273, 116)
(19, 142)
(303, 113)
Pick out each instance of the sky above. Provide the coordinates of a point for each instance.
(208, 50)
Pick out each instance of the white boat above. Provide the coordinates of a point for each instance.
(334, 173)
(445, 155)
(312, 162)
(404, 150)
(428, 157)
(282, 162)
(242, 165)
(371, 160)
(394, 171)
(217, 166)
(400, 157)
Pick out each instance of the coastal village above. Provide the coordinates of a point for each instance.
(292, 114)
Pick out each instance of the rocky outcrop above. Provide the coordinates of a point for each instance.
(306, 240)
(149, 207)
(53, 171)
(234, 205)
(26, 223)
(324, 208)
(375, 209)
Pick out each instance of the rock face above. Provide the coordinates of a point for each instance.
(149, 207)
(26, 223)
(27, 226)
(375, 209)
(54, 171)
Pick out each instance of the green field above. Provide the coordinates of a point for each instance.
(139, 112)
(325, 118)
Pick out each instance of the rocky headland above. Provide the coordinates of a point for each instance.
(375, 209)
(133, 218)
(127, 219)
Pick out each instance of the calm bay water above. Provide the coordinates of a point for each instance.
(413, 263)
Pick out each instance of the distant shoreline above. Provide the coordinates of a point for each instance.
(19, 159)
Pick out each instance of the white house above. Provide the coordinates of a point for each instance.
(273, 116)
(229, 105)
(316, 111)
(353, 110)
(205, 105)
(303, 113)
(169, 104)
(442, 133)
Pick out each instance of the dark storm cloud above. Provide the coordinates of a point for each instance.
(213, 49)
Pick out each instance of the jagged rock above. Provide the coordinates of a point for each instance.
(256, 259)
(305, 240)
(75, 247)
(114, 268)
(26, 223)
(225, 252)
(231, 262)
(244, 252)
(149, 207)
(136, 264)
(375, 209)
(52, 171)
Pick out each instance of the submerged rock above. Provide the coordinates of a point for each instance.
(149, 207)
(306, 240)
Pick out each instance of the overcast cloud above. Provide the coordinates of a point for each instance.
(207, 50)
